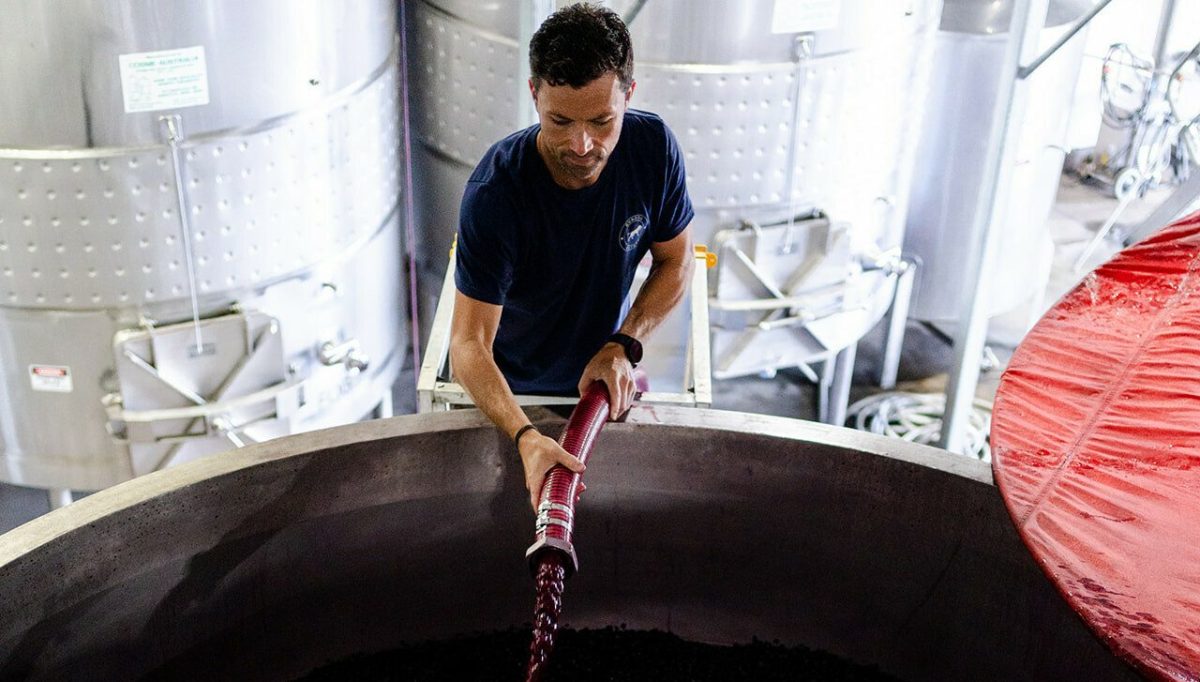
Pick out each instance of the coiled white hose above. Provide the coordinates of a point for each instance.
(917, 417)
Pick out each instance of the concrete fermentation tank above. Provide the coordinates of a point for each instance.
(199, 235)
(798, 123)
(287, 555)
(968, 62)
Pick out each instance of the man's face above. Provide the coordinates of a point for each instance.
(580, 127)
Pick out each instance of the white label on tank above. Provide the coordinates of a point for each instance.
(167, 79)
(803, 16)
(53, 378)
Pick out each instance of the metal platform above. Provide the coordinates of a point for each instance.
(437, 390)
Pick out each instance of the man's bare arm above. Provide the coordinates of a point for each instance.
(670, 271)
(472, 333)
(671, 267)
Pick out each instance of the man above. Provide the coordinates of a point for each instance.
(554, 221)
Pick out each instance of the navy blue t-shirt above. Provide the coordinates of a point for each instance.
(561, 261)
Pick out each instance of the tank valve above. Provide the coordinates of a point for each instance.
(347, 353)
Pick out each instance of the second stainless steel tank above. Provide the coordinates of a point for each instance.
(199, 234)
(968, 64)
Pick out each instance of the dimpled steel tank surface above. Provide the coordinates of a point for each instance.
(200, 218)
(718, 527)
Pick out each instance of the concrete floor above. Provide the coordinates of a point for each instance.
(1080, 210)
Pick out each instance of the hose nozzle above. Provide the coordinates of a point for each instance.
(543, 545)
(556, 510)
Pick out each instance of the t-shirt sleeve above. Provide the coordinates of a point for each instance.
(676, 211)
(487, 244)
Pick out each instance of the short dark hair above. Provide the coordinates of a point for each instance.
(578, 44)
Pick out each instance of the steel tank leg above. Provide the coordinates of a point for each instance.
(385, 408)
(823, 387)
(59, 497)
(839, 390)
(897, 319)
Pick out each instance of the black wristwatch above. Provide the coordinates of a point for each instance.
(633, 347)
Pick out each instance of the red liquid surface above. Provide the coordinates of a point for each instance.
(551, 573)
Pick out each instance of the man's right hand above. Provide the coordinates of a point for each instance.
(539, 454)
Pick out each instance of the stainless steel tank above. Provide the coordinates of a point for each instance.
(716, 526)
(465, 66)
(199, 235)
(968, 62)
(783, 109)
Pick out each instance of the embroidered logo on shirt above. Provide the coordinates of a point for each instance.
(631, 231)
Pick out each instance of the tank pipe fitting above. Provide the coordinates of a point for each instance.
(348, 353)
(556, 506)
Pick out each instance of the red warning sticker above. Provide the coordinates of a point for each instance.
(53, 378)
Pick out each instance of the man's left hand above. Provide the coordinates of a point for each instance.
(611, 366)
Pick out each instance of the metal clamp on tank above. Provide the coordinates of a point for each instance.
(189, 381)
(137, 426)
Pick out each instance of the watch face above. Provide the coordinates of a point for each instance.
(634, 349)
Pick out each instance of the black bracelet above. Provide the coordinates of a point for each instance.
(521, 432)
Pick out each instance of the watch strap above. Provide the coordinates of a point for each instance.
(626, 342)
